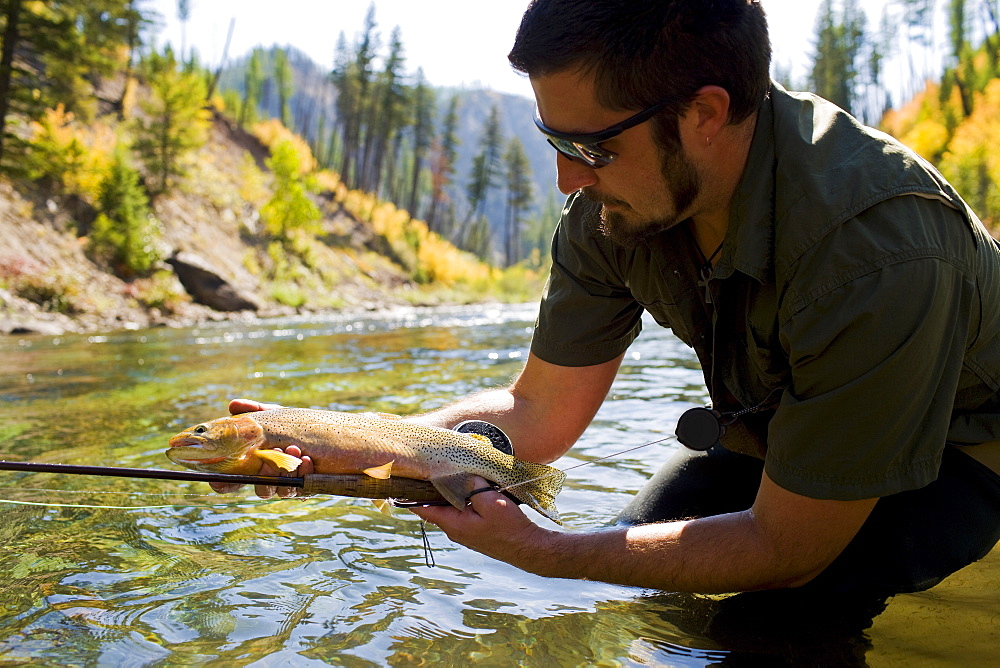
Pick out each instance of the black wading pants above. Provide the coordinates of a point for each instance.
(910, 542)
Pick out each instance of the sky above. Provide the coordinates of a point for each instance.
(460, 43)
(456, 42)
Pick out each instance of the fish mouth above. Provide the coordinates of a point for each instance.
(181, 441)
(194, 444)
(213, 460)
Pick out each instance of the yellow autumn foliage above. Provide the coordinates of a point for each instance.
(428, 257)
(74, 154)
(272, 132)
(972, 163)
(926, 123)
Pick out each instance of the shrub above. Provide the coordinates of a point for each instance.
(74, 156)
(125, 234)
(290, 208)
(162, 291)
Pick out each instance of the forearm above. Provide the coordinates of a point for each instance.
(543, 411)
(495, 406)
(724, 553)
(533, 438)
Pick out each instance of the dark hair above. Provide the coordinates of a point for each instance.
(643, 51)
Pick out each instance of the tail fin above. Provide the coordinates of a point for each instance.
(537, 486)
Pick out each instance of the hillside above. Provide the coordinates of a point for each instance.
(314, 97)
(50, 282)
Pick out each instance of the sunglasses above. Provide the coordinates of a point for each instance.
(586, 148)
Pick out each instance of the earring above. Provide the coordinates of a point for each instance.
(708, 141)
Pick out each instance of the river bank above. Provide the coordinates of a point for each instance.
(216, 260)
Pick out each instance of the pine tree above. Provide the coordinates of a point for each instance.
(355, 83)
(385, 115)
(519, 197)
(184, 14)
(485, 172)
(175, 121)
(339, 77)
(283, 79)
(443, 168)
(423, 125)
(252, 82)
(841, 42)
(124, 234)
(960, 54)
(55, 53)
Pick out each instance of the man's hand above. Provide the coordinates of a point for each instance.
(491, 524)
(237, 406)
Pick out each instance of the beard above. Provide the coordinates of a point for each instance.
(683, 187)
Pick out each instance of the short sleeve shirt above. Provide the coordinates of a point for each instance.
(854, 285)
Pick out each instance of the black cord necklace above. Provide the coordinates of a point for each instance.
(705, 270)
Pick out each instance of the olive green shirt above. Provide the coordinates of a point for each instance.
(853, 284)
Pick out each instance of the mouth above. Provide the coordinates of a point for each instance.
(188, 441)
(193, 443)
(213, 460)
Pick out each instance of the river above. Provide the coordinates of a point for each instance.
(129, 572)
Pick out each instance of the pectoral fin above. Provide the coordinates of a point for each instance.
(455, 488)
(282, 460)
(383, 472)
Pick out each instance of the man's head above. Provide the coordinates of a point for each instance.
(642, 52)
(595, 63)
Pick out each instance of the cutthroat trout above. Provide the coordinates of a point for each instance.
(376, 444)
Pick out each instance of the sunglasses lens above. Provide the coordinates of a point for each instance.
(591, 155)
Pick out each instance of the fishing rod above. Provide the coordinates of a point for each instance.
(354, 485)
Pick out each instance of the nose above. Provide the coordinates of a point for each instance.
(572, 176)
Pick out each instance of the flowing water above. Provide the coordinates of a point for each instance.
(126, 572)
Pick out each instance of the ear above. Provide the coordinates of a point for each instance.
(709, 111)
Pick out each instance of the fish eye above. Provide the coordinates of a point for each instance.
(200, 429)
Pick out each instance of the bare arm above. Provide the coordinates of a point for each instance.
(784, 540)
(543, 411)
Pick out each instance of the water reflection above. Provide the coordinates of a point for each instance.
(167, 573)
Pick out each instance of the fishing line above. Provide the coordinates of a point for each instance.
(576, 466)
(428, 553)
(83, 505)
(51, 504)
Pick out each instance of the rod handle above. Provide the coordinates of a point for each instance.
(367, 487)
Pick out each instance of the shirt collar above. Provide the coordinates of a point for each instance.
(749, 243)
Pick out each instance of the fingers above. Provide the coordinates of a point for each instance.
(237, 406)
(224, 487)
(305, 468)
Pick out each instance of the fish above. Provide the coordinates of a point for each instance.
(379, 445)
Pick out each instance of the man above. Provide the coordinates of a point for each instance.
(842, 299)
